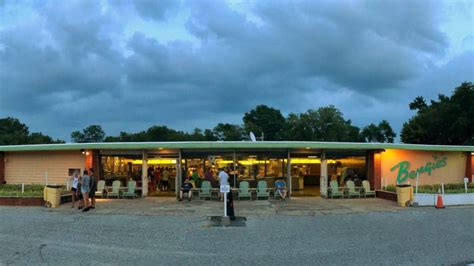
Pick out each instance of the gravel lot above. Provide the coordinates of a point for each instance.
(417, 236)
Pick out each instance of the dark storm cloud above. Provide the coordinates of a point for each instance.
(158, 10)
(72, 63)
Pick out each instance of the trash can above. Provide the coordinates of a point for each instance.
(404, 195)
(52, 195)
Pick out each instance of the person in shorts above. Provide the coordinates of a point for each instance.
(75, 182)
(186, 187)
(85, 189)
(280, 188)
(79, 194)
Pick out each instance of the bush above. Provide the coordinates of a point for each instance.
(450, 188)
(14, 190)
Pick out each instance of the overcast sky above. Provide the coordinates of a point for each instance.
(128, 65)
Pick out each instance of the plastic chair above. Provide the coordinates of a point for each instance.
(334, 189)
(130, 190)
(244, 191)
(205, 190)
(366, 189)
(115, 190)
(352, 191)
(262, 190)
(100, 189)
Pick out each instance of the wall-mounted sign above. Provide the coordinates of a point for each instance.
(405, 172)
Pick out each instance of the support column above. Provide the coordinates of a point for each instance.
(469, 166)
(96, 164)
(177, 183)
(288, 174)
(378, 170)
(2, 168)
(144, 173)
(374, 169)
(88, 158)
(323, 180)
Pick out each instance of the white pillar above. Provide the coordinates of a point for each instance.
(145, 174)
(288, 174)
(177, 183)
(323, 181)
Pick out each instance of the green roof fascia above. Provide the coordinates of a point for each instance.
(235, 145)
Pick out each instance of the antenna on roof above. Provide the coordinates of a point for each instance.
(252, 137)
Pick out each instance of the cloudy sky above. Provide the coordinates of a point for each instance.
(128, 65)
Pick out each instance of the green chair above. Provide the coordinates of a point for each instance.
(262, 190)
(334, 189)
(100, 189)
(130, 189)
(244, 191)
(115, 190)
(205, 190)
(351, 190)
(366, 189)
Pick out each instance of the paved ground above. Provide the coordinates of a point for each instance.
(301, 231)
(261, 208)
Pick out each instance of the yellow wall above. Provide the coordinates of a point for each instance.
(30, 167)
(452, 172)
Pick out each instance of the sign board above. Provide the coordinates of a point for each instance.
(404, 170)
(225, 188)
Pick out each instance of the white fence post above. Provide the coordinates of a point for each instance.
(416, 187)
(22, 188)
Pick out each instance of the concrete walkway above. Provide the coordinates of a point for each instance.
(306, 206)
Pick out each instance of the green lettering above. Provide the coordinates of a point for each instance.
(428, 168)
(402, 171)
(412, 174)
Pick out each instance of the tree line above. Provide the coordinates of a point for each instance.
(449, 121)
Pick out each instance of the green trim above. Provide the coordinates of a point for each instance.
(235, 145)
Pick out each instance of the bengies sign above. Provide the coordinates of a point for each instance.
(405, 172)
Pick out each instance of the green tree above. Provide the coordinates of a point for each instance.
(92, 133)
(325, 124)
(13, 132)
(448, 121)
(39, 138)
(228, 132)
(266, 120)
(381, 133)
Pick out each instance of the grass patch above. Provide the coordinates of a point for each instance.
(14, 190)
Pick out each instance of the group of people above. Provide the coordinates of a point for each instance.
(159, 177)
(83, 189)
(187, 186)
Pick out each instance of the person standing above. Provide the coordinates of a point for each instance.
(164, 179)
(75, 182)
(223, 180)
(85, 187)
(93, 188)
(79, 193)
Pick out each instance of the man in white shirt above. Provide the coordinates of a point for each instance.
(223, 180)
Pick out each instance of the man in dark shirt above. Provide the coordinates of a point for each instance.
(186, 187)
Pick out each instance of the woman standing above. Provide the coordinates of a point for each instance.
(75, 182)
(85, 190)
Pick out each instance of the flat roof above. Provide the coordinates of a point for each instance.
(234, 145)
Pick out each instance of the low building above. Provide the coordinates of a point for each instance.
(306, 166)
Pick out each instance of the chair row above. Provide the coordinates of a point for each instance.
(350, 189)
(117, 190)
(244, 190)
